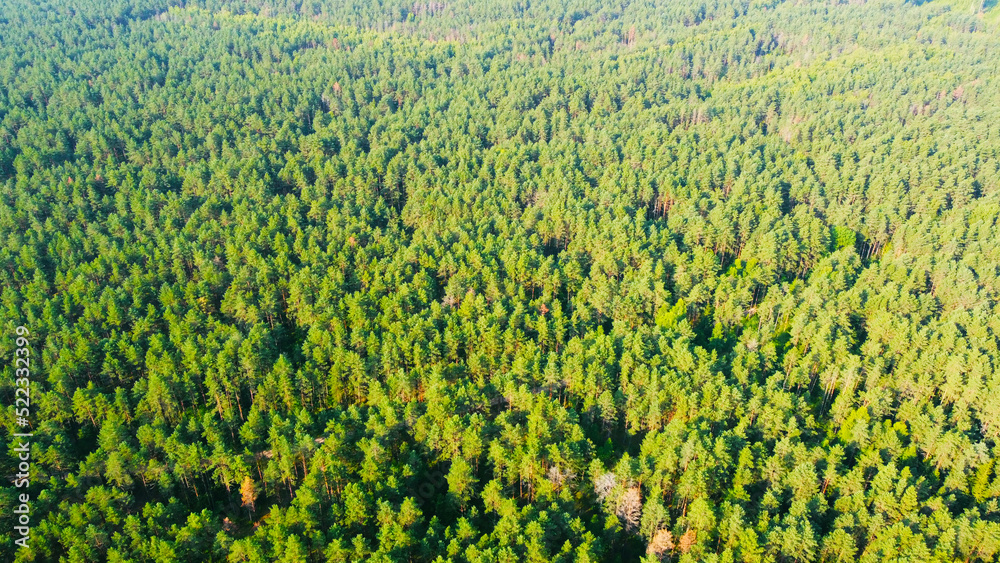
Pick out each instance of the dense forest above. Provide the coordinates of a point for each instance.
(495, 281)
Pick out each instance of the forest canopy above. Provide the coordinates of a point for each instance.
(493, 281)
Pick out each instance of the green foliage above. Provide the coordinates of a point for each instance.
(397, 281)
(669, 317)
(843, 237)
